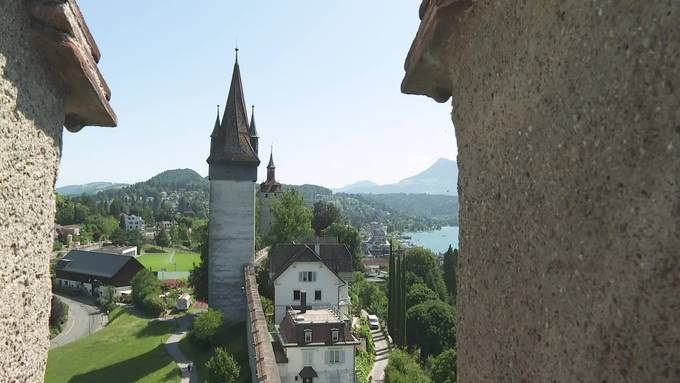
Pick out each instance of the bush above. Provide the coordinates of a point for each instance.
(364, 365)
(58, 311)
(443, 367)
(106, 300)
(206, 326)
(404, 368)
(431, 326)
(419, 293)
(364, 331)
(153, 305)
(222, 367)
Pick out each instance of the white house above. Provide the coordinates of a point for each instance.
(322, 270)
(132, 222)
(315, 346)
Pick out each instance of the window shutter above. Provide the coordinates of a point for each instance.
(300, 275)
(314, 276)
(342, 356)
(326, 355)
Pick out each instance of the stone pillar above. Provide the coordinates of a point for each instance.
(41, 90)
(568, 131)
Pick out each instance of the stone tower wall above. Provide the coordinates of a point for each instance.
(31, 123)
(266, 216)
(568, 132)
(231, 245)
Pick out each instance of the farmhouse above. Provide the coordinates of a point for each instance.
(88, 271)
(322, 270)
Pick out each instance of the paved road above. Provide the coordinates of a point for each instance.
(84, 318)
(382, 355)
(172, 347)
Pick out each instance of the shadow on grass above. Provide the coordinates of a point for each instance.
(130, 370)
(155, 328)
(115, 314)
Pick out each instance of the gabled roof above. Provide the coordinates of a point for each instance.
(336, 257)
(93, 263)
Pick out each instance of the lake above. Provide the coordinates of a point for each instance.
(437, 240)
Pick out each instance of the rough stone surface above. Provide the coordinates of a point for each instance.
(231, 245)
(568, 128)
(31, 120)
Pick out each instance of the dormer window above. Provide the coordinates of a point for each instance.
(335, 335)
(308, 336)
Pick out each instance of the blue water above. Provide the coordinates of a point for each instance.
(437, 240)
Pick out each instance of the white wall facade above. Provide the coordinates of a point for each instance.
(317, 357)
(332, 288)
(231, 245)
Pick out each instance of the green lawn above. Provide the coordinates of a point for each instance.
(233, 339)
(173, 260)
(128, 349)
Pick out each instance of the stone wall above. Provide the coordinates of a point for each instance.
(262, 360)
(568, 128)
(231, 245)
(31, 121)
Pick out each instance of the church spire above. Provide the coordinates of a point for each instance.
(231, 143)
(271, 159)
(271, 185)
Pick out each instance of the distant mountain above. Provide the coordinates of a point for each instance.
(183, 178)
(440, 178)
(91, 188)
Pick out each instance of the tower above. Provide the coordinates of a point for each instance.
(270, 190)
(232, 172)
(254, 138)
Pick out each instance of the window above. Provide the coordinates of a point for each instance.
(307, 357)
(335, 356)
(296, 295)
(307, 276)
(317, 295)
(335, 334)
(308, 336)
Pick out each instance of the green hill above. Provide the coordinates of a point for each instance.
(182, 178)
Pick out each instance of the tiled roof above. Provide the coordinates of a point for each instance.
(335, 256)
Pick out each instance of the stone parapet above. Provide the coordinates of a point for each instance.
(261, 352)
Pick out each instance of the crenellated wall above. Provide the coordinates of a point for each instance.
(568, 128)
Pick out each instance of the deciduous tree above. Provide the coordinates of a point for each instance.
(325, 214)
(292, 220)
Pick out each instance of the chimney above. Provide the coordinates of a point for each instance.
(303, 302)
(317, 247)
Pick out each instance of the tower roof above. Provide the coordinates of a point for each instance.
(253, 130)
(271, 159)
(232, 144)
(216, 128)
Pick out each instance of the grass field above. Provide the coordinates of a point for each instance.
(128, 349)
(173, 260)
(233, 339)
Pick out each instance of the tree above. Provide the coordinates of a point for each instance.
(162, 238)
(57, 312)
(443, 367)
(146, 289)
(118, 237)
(419, 293)
(432, 327)
(198, 276)
(422, 267)
(404, 368)
(369, 296)
(449, 266)
(325, 214)
(349, 236)
(292, 220)
(222, 367)
(265, 286)
(206, 325)
(135, 238)
(107, 299)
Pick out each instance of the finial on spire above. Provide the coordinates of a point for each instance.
(236, 49)
(218, 109)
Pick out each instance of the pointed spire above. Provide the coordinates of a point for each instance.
(253, 130)
(271, 158)
(232, 142)
(216, 128)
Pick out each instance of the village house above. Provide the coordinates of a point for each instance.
(132, 222)
(323, 270)
(129, 251)
(89, 271)
(314, 345)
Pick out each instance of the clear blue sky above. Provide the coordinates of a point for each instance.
(324, 78)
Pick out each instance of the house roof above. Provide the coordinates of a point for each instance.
(308, 372)
(293, 326)
(336, 256)
(93, 263)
